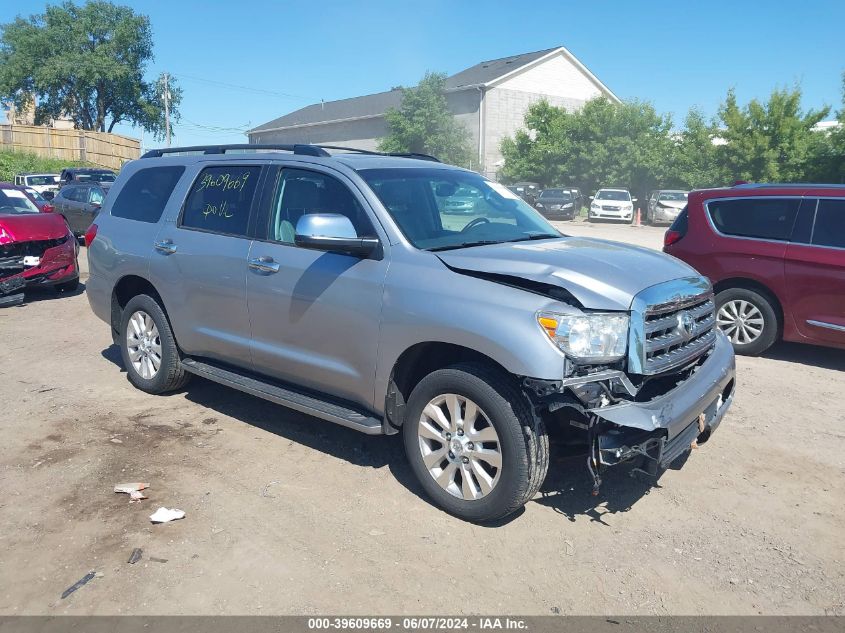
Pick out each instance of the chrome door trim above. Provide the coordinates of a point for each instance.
(829, 326)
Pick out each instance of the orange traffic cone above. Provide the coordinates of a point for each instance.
(638, 220)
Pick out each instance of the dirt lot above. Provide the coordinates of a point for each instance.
(290, 515)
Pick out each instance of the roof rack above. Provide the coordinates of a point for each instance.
(301, 149)
(297, 148)
(370, 152)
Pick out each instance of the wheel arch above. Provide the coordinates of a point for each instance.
(419, 360)
(756, 286)
(124, 290)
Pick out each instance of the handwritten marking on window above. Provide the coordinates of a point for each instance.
(221, 210)
(224, 182)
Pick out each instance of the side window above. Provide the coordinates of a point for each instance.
(829, 229)
(146, 193)
(762, 218)
(220, 199)
(300, 192)
(804, 224)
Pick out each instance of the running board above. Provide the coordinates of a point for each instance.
(286, 397)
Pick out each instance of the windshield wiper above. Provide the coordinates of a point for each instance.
(539, 236)
(464, 245)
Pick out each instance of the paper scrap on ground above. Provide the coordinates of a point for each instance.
(133, 490)
(164, 515)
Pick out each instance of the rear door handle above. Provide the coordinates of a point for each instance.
(165, 246)
(264, 265)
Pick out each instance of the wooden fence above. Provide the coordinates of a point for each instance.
(99, 148)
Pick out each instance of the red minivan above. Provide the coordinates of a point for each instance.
(776, 256)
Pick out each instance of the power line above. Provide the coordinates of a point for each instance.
(272, 93)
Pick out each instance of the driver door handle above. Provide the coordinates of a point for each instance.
(165, 246)
(264, 265)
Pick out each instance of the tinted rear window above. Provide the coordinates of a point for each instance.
(146, 193)
(220, 199)
(829, 229)
(762, 218)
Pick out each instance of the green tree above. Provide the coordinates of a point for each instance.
(84, 62)
(602, 144)
(424, 124)
(827, 150)
(768, 142)
(695, 162)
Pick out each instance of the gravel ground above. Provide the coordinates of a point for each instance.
(287, 514)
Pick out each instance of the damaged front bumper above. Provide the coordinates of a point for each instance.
(45, 262)
(662, 429)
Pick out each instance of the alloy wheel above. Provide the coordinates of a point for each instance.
(460, 447)
(741, 321)
(143, 344)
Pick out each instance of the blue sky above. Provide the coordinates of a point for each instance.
(242, 64)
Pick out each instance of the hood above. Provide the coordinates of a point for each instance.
(31, 227)
(601, 275)
(674, 204)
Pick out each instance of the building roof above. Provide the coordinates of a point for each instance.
(374, 105)
(486, 72)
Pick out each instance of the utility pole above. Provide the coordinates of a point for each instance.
(166, 111)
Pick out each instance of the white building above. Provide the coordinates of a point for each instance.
(490, 99)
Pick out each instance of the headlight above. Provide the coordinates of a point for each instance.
(595, 205)
(589, 337)
(539, 205)
(567, 206)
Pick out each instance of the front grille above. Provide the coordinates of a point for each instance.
(609, 207)
(672, 326)
(669, 344)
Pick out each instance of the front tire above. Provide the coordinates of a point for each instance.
(148, 347)
(748, 320)
(473, 442)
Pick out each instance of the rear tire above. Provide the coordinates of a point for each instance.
(520, 439)
(151, 358)
(748, 320)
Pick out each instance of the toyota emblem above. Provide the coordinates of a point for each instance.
(686, 324)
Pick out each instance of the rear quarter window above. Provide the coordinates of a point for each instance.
(220, 199)
(146, 193)
(761, 218)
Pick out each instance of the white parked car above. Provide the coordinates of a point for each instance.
(612, 204)
(42, 183)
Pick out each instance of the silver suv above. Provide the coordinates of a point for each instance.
(342, 285)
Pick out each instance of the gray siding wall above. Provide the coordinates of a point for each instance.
(504, 114)
(366, 133)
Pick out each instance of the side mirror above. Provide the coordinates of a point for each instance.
(48, 195)
(334, 233)
(592, 197)
(633, 199)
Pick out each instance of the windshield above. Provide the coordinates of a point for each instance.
(96, 177)
(421, 202)
(14, 202)
(38, 181)
(556, 193)
(607, 194)
(678, 196)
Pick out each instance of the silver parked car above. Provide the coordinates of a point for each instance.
(342, 286)
(663, 206)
